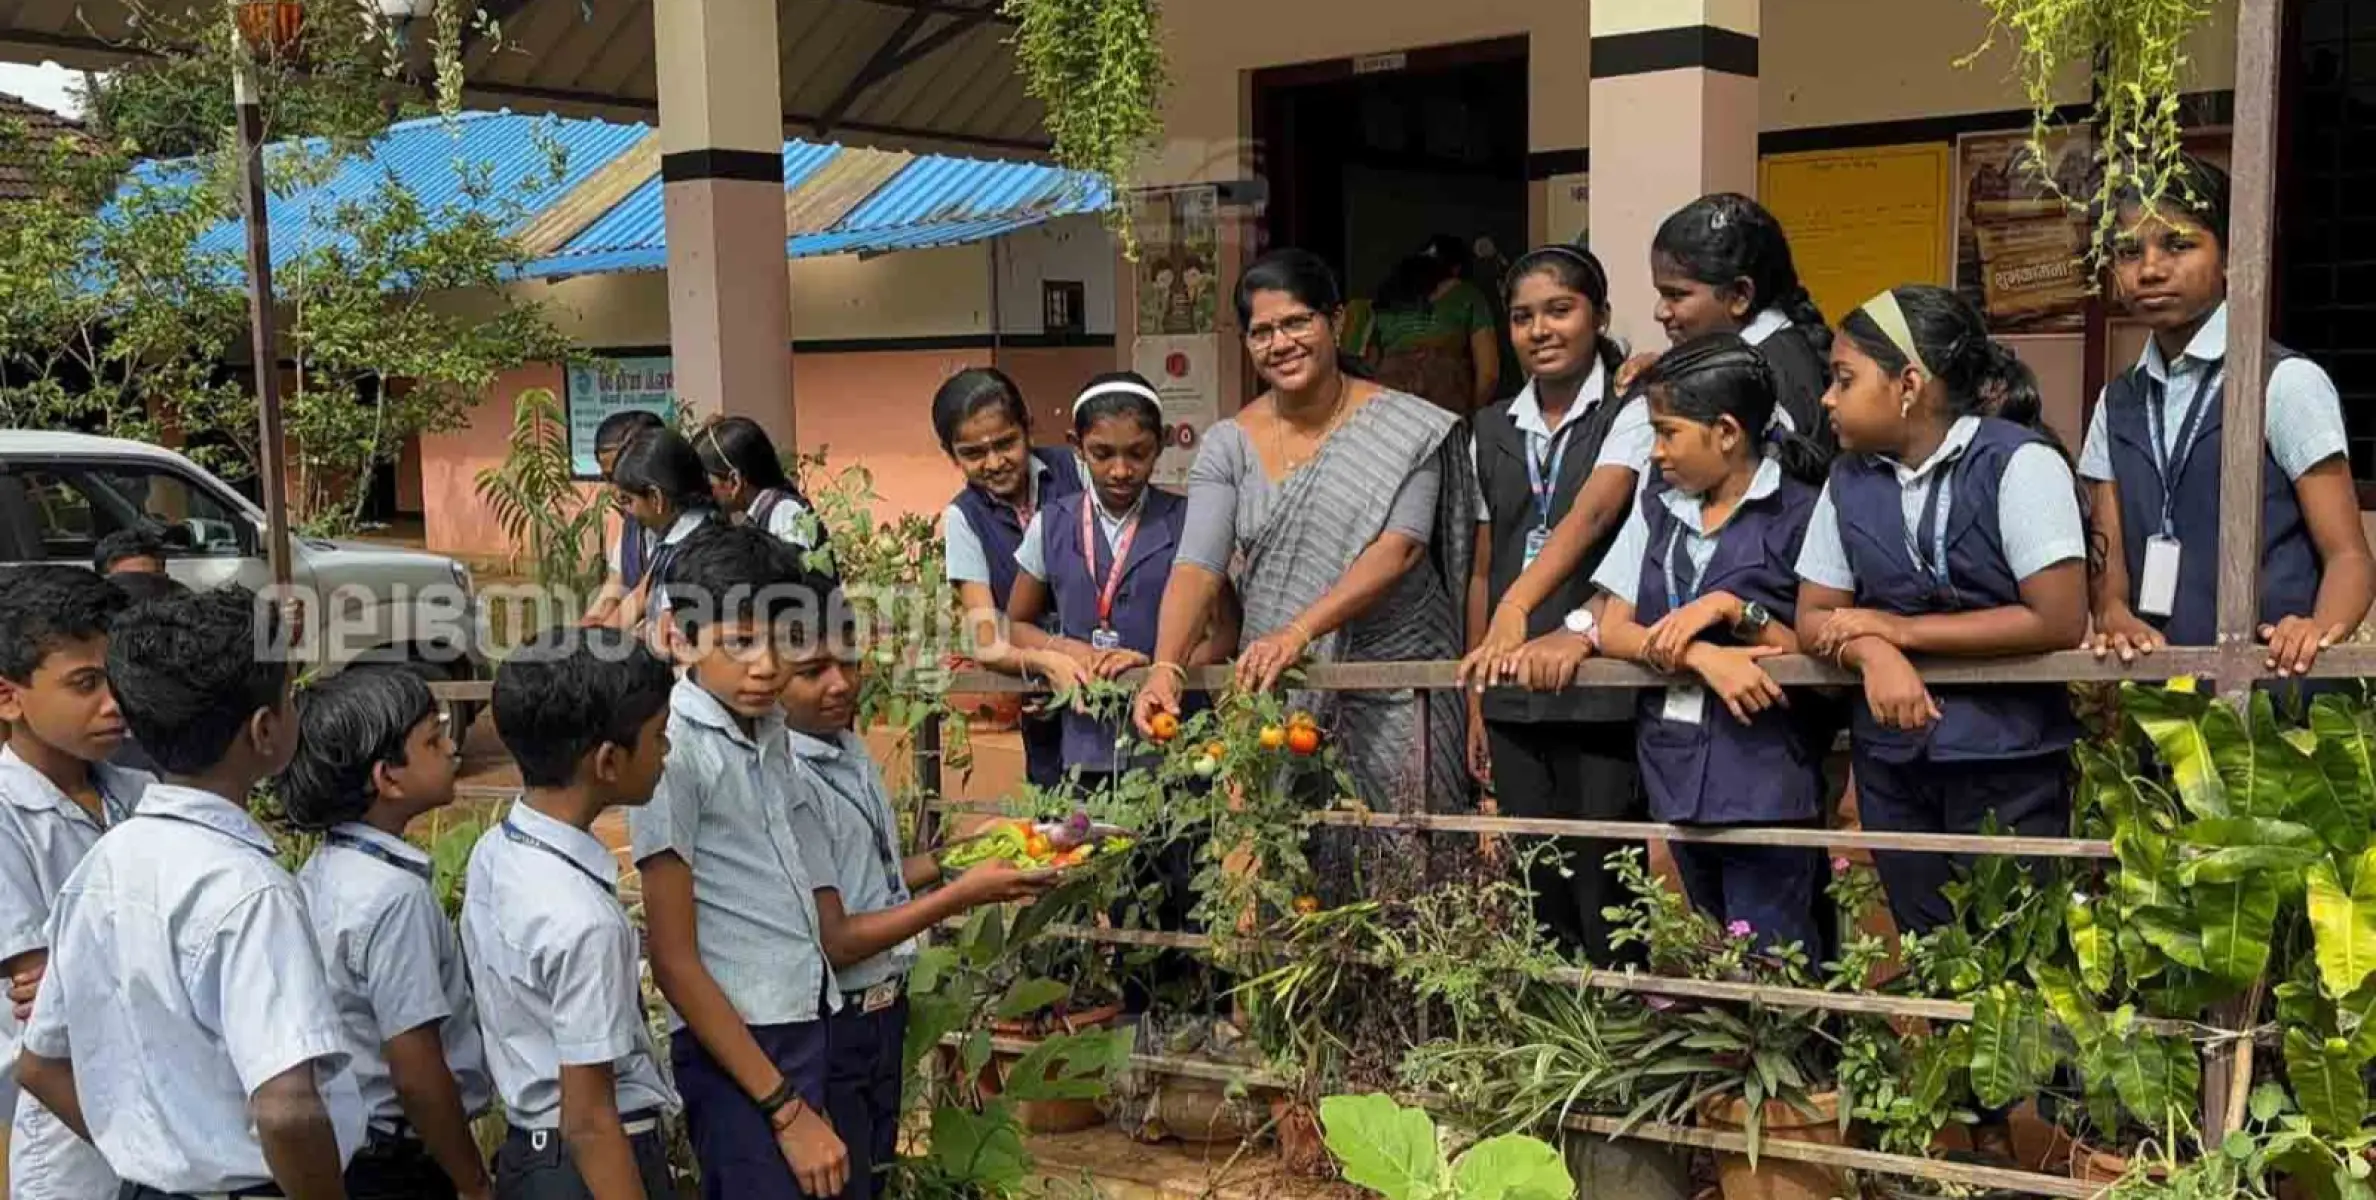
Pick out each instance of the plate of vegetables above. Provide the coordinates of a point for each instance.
(1076, 841)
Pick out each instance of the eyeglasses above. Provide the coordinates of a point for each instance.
(1295, 327)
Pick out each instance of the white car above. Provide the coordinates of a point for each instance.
(61, 492)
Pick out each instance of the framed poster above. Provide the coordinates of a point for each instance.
(1179, 265)
(1861, 220)
(595, 388)
(1186, 374)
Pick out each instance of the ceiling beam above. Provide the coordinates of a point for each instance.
(900, 51)
(994, 12)
(596, 101)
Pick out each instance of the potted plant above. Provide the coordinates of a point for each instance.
(1396, 1152)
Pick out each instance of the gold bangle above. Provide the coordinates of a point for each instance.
(1305, 631)
(1173, 667)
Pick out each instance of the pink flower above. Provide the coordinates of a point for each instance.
(1840, 866)
(1740, 929)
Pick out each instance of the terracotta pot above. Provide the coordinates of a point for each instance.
(1621, 1167)
(1777, 1178)
(2039, 1144)
(1048, 1116)
(1301, 1147)
(2104, 1167)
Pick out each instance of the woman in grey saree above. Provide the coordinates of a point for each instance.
(1336, 509)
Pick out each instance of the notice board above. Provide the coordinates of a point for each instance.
(1862, 220)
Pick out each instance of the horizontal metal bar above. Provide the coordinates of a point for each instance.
(2071, 666)
(1651, 831)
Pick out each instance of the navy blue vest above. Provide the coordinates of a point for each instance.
(1978, 723)
(1089, 744)
(997, 526)
(1720, 771)
(2289, 559)
(635, 544)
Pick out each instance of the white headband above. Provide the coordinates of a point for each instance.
(1117, 387)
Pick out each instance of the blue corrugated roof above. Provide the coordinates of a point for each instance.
(935, 200)
(506, 158)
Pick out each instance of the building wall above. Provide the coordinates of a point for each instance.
(873, 338)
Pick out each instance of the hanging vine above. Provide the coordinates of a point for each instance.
(2136, 51)
(1097, 67)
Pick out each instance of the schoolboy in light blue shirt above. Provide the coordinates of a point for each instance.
(174, 1028)
(57, 795)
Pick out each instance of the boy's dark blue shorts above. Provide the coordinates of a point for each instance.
(732, 1139)
(536, 1165)
(863, 1095)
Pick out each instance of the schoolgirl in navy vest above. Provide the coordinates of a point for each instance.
(1702, 583)
(1721, 264)
(2152, 456)
(631, 549)
(659, 482)
(1565, 440)
(985, 428)
(1098, 560)
(748, 479)
(1950, 527)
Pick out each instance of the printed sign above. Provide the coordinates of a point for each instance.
(599, 387)
(1185, 372)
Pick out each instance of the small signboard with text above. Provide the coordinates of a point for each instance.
(599, 387)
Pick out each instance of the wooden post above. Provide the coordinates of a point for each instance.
(273, 451)
(926, 763)
(2251, 246)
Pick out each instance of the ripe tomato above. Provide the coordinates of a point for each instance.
(1273, 737)
(1302, 720)
(1164, 727)
(1216, 750)
(1304, 740)
(1036, 846)
(1307, 905)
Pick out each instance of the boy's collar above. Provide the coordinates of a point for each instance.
(695, 703)
(363, 832)
(815, 748)
(205, 808)
(581, 848)
(26, 787)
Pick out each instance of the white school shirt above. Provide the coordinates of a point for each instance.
(2037, 511)
(687, 524)
(394, 963)
(966, 560)
(555, 968)
(1031, 555)
(1620, 572)
(724, 806)
(2304, 412)
(850, 837)
(1627, 444)
(44, 835)
(182, 978)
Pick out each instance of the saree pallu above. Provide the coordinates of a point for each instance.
(1404, 749)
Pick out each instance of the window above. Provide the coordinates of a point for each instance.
(1063, 307)
(73, 505)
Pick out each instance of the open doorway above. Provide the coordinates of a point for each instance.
(1367, 159)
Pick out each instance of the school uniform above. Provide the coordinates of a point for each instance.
(1993, 506)
(981, 534)
(1566, 755)
(630, 552)
(44, 835)
(554, 969)
(725, 806)
(395, 966)
(181, 979)
(1700, 766)
(665, 550)
(2155, 434)
(785, 516)
(849, 841)
(1802, 374)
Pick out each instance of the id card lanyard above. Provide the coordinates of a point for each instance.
(1686, 703)
(2157, 582)
(1542, 482)
(1105, 638)
(1926, 543)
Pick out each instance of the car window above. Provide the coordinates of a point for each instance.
(73, 505)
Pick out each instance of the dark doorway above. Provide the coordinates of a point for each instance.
(2326, 228)
(1368, 158)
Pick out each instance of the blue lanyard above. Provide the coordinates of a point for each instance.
(521, 837)
(1676, 588)
(885, 852)
(1931, 530)
(2169, 459)
(1542, 473)
(420, 870)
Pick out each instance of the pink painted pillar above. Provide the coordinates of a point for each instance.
(722, 173)
(1674, 117)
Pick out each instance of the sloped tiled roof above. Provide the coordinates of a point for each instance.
(19, 163)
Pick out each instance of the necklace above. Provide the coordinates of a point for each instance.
(1336, 413)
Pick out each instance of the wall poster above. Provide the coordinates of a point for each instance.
(1179, 266)
(1861, 220)
(594, 388)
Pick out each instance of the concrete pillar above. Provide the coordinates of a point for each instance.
(1674, 117)
(722, 173)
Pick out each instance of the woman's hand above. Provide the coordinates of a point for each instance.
(1896, 693)
(1549, 663)
(2294, 643)
(1492, 661)
(1630, 369)
(1113, 664)
(1159, 693)
(1064, 673)
(1261, 664)
(1480, 748)
(1733, 674)
(2123, 633)
(1845, 625)
(1670, 638)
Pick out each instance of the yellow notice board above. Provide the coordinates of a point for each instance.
(1862, 220)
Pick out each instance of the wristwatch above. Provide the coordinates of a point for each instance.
(1754, 619)
(1579, 622)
